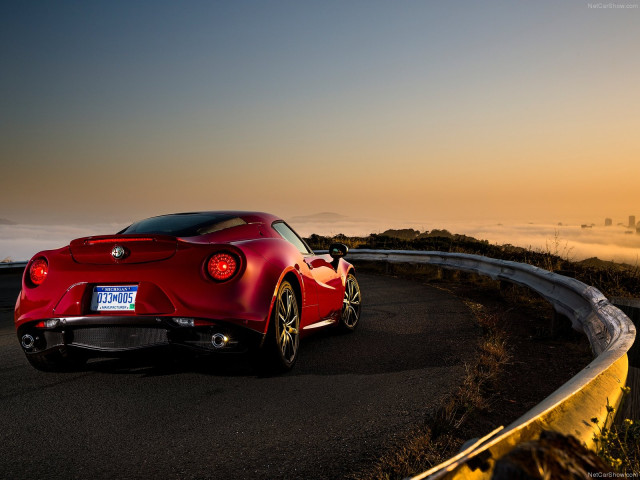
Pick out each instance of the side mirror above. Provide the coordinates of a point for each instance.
(338, 250)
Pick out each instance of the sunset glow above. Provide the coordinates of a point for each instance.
(408, 111)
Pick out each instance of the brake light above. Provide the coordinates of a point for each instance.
(222, 266)
(38, 270)
(118, 240)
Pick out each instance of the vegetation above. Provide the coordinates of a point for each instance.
(612, 279)
(618, 445)
(442, 433)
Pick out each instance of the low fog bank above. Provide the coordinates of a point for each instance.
(21, 242)
(571, 242)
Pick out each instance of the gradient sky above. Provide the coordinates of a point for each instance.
(497, 110)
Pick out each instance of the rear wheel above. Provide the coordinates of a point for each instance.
(351, 304)
(283, 338)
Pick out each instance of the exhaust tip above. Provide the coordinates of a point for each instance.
(218, 340)
(27, 342)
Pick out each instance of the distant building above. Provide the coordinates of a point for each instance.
(608, 222)
(632, 221)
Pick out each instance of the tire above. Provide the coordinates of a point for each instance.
(58, 361)
(351, 305)
(280, 351)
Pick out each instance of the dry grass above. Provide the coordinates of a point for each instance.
(440, 437)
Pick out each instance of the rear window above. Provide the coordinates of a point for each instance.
(185, 224)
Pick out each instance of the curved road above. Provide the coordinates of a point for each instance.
(347, 399)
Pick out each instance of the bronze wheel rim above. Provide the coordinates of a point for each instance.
(287, 324)
(351, 303)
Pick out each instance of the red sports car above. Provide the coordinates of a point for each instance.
(207, 281)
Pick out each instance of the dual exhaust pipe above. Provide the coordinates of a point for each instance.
(27, 342)
(219, 340)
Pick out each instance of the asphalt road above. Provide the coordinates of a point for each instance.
(348, 398)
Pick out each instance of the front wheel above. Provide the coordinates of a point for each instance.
(351, 304)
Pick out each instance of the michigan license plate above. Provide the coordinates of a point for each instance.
(114, 298)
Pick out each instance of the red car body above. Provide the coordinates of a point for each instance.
(178, 301)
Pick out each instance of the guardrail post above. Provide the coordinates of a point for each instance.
(631, 407)
(506, 287)
(560, 325)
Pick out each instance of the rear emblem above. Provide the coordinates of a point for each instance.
(118, 252)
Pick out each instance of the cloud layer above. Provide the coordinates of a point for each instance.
(21, 242)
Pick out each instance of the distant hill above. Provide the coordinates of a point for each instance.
(403, 233)
(323, 217)
(411, 234)
(4, 221)
(436, 233)
(596, 262)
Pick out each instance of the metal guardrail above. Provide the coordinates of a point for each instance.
(567, 410)
(13, 265)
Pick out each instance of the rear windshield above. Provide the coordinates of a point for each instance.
(185, 224)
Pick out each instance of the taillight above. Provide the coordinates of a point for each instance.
(222, 266)
(38, 270)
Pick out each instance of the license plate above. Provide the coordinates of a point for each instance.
(115, 298)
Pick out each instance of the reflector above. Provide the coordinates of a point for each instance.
(184, 322)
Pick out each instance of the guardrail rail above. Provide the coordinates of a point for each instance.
(569, 409)
(13, 266)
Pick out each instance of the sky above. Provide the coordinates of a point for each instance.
(417, 111)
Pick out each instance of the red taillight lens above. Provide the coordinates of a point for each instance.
(38, 270)
(222, 266)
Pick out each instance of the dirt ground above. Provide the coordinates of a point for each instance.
(541, 359)
(543, 352)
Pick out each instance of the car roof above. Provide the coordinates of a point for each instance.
(247, 216)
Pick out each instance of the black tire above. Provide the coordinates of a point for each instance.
(280, 351)
(351, 305)
(58, 361)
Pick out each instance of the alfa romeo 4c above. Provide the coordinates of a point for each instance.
(210, 282)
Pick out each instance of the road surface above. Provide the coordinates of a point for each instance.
(348, 398)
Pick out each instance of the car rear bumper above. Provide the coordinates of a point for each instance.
(119, 334)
